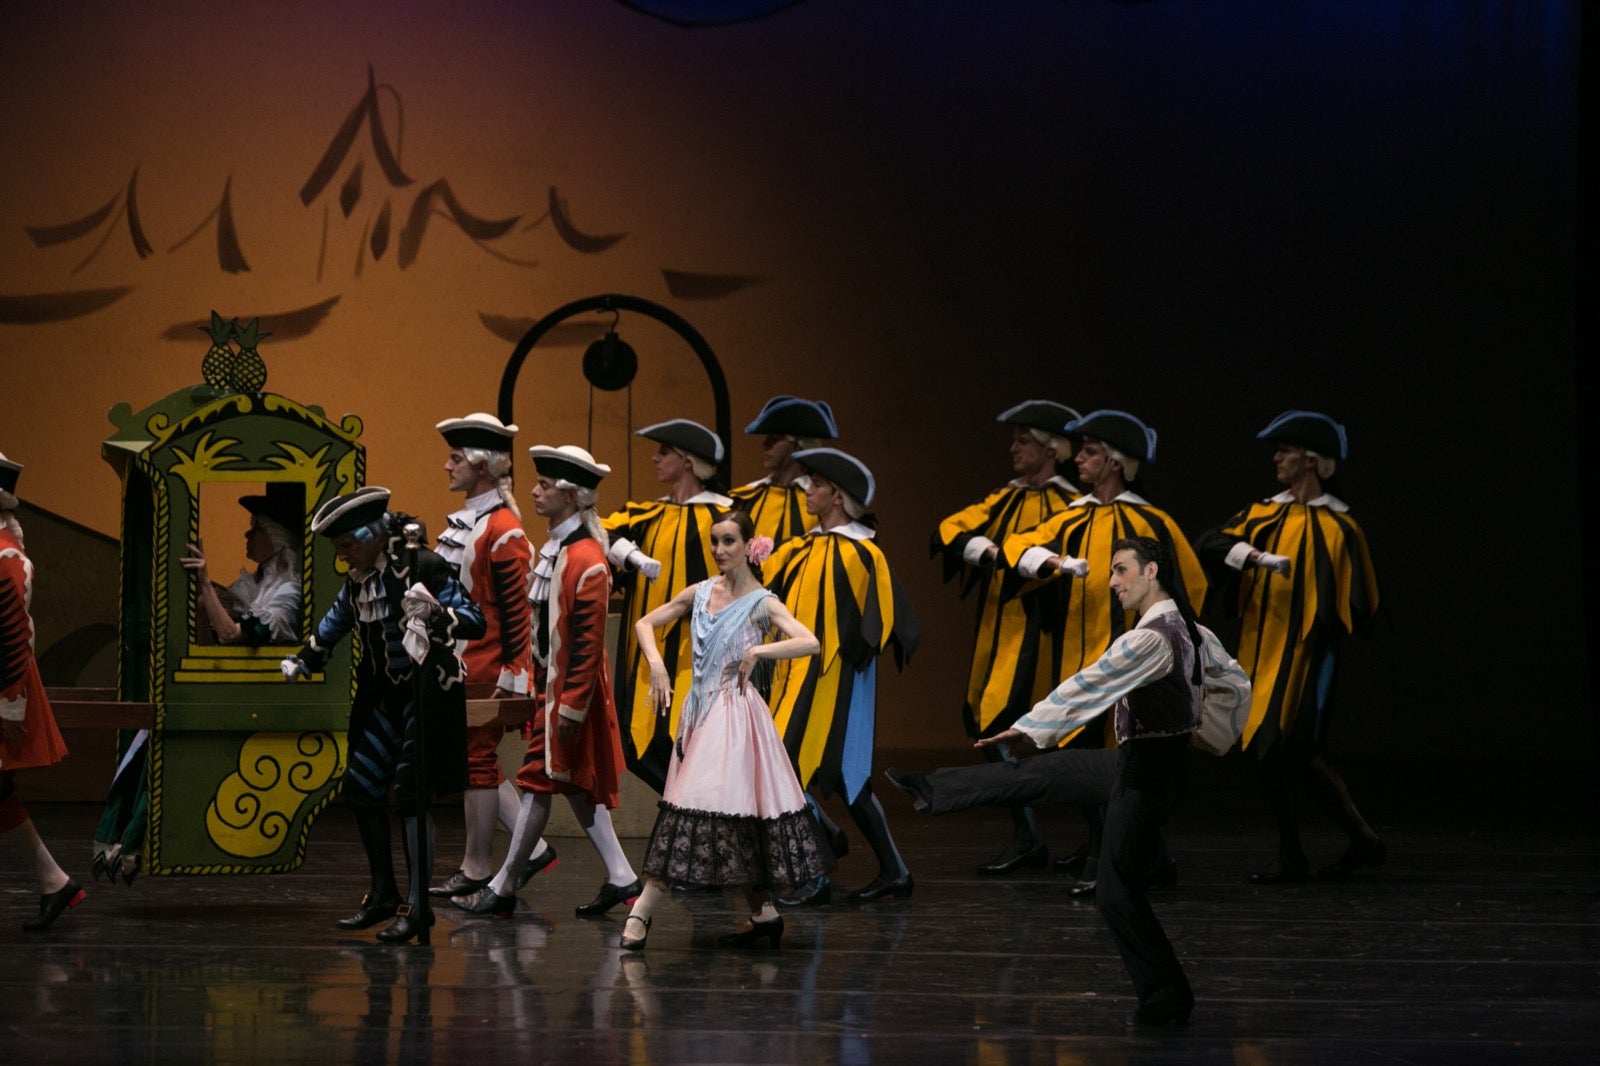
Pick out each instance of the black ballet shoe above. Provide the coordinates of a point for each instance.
(486, 902)
(1164, 876)
(771, 932)
(406, 925)
(1015, 858)
(457, 884)
(634, 943)
(1082, 890)
(914, 785)
(1362, 853)
(546, 861)
(879, 887)
(839, 843)
(370, 913)
(53, 904)
(1164, 1009)
(1283, 871)
(818, 893)
(1073, 864)
(609, 896)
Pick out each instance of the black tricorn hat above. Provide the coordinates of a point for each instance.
(343, 514)
(795, 417)
(477, 430)
(1119, 429)
(9, 471)
(691, 436)
(1307, 429)
(846, 471)
(1040, 414)
(568, 462)
(284, 503)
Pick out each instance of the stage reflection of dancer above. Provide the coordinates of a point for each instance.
(28, 734)
(838, 584)
(408, 624)
(1016, 655)
(261, 607)
(1170, 684)
(1074, 547)
(1299, 576)
(575, 749)
(732, 814)
(777, 503)
(662, 547)
(485, 544)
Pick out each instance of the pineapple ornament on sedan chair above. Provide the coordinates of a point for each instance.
(227, 370)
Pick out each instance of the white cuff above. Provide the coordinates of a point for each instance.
(972, 551)
(1033, 561)
(1238, 556)
(513, 681)
(618, 552)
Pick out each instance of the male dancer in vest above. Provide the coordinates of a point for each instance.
(576, 746)
(1171, 685)
(1016, 654)
(484, 541)
(1296, 570)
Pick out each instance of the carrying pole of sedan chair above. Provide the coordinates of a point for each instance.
(420, 794)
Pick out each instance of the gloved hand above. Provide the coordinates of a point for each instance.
(1075, 567)
(293, 669)
(1278, 564)
(419, 606)
(647, 566)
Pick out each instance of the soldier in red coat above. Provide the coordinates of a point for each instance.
(484, 541)
(28, 733)
(576, 746)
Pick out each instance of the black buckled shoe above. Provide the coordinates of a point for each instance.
(406, 925)
(609, 896)
(53, 905)
(879, 887)
(1362, 853)
(370, 913)
(914, 785)
(1073, 864)
(818, 893)
(1282, 871)
(1082, 890)
(771, 932)
(634, 943)
(457, 884)
(1014, 858)
(546, 861)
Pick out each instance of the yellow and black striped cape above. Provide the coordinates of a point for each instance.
(1087, 529)
(838, 585)
(777, 511)
(1286, 621)
(1016, 655)
(678, 535)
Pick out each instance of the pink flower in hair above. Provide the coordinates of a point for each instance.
(759, 549)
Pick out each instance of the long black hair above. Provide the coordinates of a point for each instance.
(1149, 550)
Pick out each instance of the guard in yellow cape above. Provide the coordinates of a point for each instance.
(661, 548)
(776, 504)
(837, 583)
(1017, 651)
(1075, 548)
(1298, 575)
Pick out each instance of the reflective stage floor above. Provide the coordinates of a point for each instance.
(1478, 942)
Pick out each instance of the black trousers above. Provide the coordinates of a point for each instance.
(1139, 784)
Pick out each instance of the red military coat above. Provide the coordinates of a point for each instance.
(21, 690)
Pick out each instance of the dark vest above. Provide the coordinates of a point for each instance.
(1168, 705)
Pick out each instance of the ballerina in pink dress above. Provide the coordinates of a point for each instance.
(732, 813)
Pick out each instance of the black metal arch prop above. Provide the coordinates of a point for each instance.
(638, 305)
